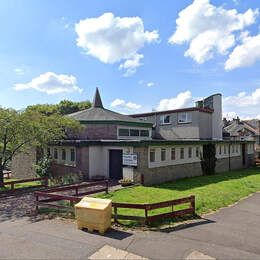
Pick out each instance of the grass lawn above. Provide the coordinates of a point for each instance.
(20, 185)
(211, 192)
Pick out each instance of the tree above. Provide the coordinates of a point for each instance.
(21, 130)
(65, 107)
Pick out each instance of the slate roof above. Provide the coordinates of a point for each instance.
(234, 128)
(97, 113)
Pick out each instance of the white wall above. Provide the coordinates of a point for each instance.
(99, 159)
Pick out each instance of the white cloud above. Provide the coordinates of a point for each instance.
(183, 99)
(131, 65)
(150, 84)
(245, 105)
(117, 102)
(51, 83)
(245, 54)
(114, 39)
(209, 29)
(19, 71)
(125, 105)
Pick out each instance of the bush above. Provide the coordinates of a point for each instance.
(43, 167)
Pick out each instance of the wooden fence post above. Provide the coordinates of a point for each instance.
(115, 214)
(36, 203)
(46, 182)
(146, 215)
(12, 186)
(192, 203)
(106, 186)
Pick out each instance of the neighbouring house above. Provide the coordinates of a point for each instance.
(148, 148)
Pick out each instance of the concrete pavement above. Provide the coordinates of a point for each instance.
(232, 232)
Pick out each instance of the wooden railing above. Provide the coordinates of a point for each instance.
(43, 182)
(147, 207)
(7, 174)
(47, 197)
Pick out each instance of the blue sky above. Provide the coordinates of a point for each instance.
(41, 60)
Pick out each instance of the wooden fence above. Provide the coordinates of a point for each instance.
(7, 174)
(47, 197)
(43, 183)
(147, 207)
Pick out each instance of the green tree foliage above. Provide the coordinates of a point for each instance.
(65, 107)
(31, 128)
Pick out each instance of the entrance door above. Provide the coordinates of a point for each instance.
(115, 164)
(244, 154)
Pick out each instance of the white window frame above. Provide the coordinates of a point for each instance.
(162, 119)
(188, 118)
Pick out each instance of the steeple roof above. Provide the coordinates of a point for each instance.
(97, 102)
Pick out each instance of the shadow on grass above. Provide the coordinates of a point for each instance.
(200, 181)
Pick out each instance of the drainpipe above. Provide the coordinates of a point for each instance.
(229, 158)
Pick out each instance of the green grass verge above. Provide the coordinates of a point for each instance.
(20, 185)
(212, 192)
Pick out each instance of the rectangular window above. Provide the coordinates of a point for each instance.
(134, 132)
(165, 119)
(237, 148)
(190, 152)
(173, 156)
(144, 133)
(220, 149)
(233, 148)
(182, 153)
(163, 154)
(55, 153)
(63, 154)
(72, 155)
(123, 132)
(152, 155)
(225, 149)
(184, 118)
(48, 152)
(197, 152)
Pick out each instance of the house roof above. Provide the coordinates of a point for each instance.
(98, 114)
(200, 109)
(234, 128)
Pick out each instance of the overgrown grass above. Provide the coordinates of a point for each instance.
(212, 192)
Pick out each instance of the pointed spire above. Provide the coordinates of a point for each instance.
(97, 102)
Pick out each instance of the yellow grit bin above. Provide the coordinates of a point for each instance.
(94, 214)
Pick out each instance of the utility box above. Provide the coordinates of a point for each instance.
(94, 214)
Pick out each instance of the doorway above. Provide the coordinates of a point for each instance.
(244, 154)
(115, 164)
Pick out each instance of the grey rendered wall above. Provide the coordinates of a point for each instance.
(162, 174)
(22, 165)
(205, 125)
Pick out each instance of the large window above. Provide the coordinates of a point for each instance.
(123, 132)
(173, 155)
(72, 155)
(126, 132)
(190, 152)
(184, 118)
(165, 119)
(48, 152)
(55, 154)
(152, 155)
(63, 154)
(163, 154)
(197, 152)
(182, 153)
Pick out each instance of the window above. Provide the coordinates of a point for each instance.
(220, 149)
(134, 132)
(48, 152)
(164, 119)
(123, 132)
(197, 151)
(237, 148)
(225, 149)
(152, 155)
(63, 154)
(190, 152)
(182, 153)
(184, 118)
(173, 156)
(233, 148)
(163, 154)
(55, 153)
(72, 155)
(144, 133)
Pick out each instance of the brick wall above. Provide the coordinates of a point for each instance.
(96, 131)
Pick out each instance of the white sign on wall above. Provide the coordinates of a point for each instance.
(130, 159)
